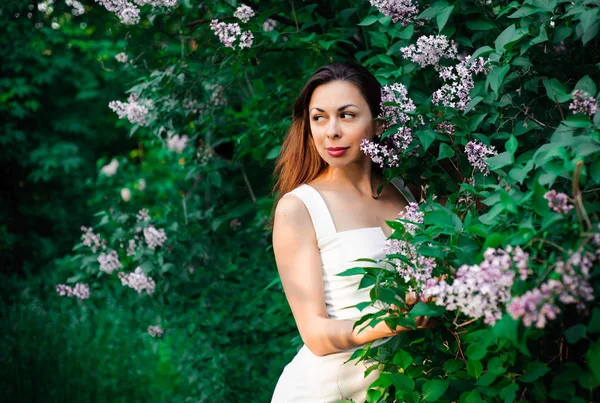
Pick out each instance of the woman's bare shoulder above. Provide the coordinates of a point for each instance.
(290, 210)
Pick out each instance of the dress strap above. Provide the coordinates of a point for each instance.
(317, 208)
(399, 184)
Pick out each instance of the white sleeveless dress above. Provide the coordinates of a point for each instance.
(312, 379)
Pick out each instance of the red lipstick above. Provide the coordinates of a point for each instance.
(336, 151)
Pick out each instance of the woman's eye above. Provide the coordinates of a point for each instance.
(347, 114)
(317, 118)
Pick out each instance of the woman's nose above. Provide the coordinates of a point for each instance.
(333, 129)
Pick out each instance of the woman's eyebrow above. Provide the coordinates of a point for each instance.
(341, 108)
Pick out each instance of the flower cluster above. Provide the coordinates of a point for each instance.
(446, 128)
(244, 13)
(92, 240)
(539, 305)
(138, 281)
(131, 247)
(156, 331)
(122, 57)
(109, 262)
(128, 10)
(477, 154)
(111, 168)
(405, 11)
(135, 110)
(459, 83)
(191, 106)
(420, 268)
(217, 97)
(583, 103)
(429, 50)
(480, 290)
(396, 95)
(80, 291)
(176, 143)
(230, 33)
(558, 202)
(154, 238)
(269, 25)
(142, 215)
(77, 7)
(387, 152)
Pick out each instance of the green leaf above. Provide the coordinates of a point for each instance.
(586, 84)
(426, 137)
(369, 20)
(499, 161)
(433, 390)
(403, 359)
(482, 51)
(496, 76)
(480, 25)
(445, 152)
(508, 37)
(524, 11)
(476, 351)
(353, 272)
(594, 325)
(575, 333)
(578, 121)
(556, 91)
(512, 144)
(274, 153)
(451, 366)
(442, 17)
(495, 365)
(593, 358)
(509, 393)
(472, 396)
(422, 309)
(474, 368)
(401, 381)
(534, 371)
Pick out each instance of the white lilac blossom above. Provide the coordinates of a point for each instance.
(80, 291)
(126, 194)
(244, 13)
(479, 291)
(177, 143)
(397, 95)
(154, 238)
(477, 154)
(110, 169)
(387, 152)
(138, 281)
(445, 128)
(109, 262)
(583, 103)
(269, 25)
(156, 331)
(135, 110)
(142, 215)
(404, 11)
(131, 247)
(229, 33)
(420, 268)
(191, 106)
(128, 10)
(539, 305)
(429, 50)
(558, 202)
(92, 240)
(218, 95)
(122, 57)
(459, 83)
(77, 7)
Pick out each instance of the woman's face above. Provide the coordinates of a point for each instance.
(340, 119)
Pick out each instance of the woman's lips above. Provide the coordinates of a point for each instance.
(336, 151)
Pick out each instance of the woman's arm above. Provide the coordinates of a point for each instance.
(299, 265)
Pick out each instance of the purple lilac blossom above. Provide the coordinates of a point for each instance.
(404, 11)
(395, 114)
(387, 152)
(229, 33)
(80, 291)
(583, 103)
(177, 143)
(243, 13)
(154, 238)
(142, 215)
(429, 50)
(128, 10)
(445, 128)
(477, 154)
(138, 281)
(131, 247)
(92, 239)
(558, 202)
(156, 331)
(135, 110)
(269, 25)
(109, 262)
(459, 83)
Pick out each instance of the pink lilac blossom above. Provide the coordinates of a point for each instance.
(177, 143)
(269, 25)
(156, 331)
(122, 57)
(80, 291)
(138, 281)
(387, 152)
(135, 110)
(459, 83)
(244, 13)
(142, 215)
(110, 169)
(477, 154)
(109, 262)
(446, 128)
(479, 291)
(77, 7)
(404, 11)
(397, 95)
(128, 10)
(429, 50)
(558, 202)
(92, 239)
(154, 238)
(229, 33)
(131, 247)
(583, 103)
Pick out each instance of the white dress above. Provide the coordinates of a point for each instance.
(312, 379)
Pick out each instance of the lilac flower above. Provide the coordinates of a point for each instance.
(583, 103)
(156, 331)
(92, 239)
(269, 25)
(459, 78)
(535, 306)
(128, 10)
(246, 39)
(243, 13)
(446, 128)
(77, 7)
(135, 110)
(138, 281)
(398, 95)
(388, 151)
(477, 154)
(154, 237)
(558, 202)
(142, 215)
(192, 106)
(109, 262)
(405, 11)
(521, 260)
(80, 291)
(122, 57)
(218, 95)
(177, 143)
(131, 247)
(228, 34)
(111, 168)
(429, 50)
(126, 194)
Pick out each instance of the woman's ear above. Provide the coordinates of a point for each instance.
(379, 127)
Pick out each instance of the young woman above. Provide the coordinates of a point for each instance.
(327, 217)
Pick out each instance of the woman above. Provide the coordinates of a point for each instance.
(328, 217)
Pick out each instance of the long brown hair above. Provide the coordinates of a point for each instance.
(299, 162)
